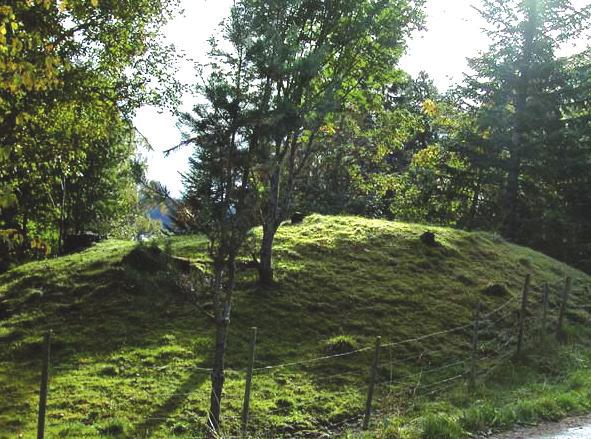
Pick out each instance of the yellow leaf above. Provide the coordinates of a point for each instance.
(430, 108)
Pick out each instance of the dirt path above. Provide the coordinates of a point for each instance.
(572, 428)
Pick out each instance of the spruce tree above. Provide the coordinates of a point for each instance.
(519, 87)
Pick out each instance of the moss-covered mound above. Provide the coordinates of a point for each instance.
(132, 346)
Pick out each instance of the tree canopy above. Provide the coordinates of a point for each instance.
(72, 73)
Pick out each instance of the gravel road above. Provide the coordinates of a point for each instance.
(572, 428)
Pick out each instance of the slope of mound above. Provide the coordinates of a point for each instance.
(132, 343)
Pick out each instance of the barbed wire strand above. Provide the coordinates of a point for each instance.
(425, 372)
(311, 360)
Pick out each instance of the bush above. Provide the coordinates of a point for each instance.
(146, 259)
(340, 345)
(395, 429)
(478, 418)
(168, 340)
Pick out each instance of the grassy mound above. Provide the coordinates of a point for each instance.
(131, 347)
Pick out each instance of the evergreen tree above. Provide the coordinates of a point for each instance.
(518, 87)
(220, 197)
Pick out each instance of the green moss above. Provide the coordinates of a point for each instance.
(130, 344)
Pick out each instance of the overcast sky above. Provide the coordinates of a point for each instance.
(453, 34)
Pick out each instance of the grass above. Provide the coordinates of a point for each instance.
(518, 393)
(129, 344)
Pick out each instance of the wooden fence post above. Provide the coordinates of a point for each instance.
(246, 405)
(44, 386)
(475, 345)
(565, 294)
(372, 380)
(545, 309)
(522, 314)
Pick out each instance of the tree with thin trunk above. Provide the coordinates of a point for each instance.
(220, 198)
(299, 61)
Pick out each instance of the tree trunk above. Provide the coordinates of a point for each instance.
(217, 376)
(25, 227)
(271, 223)
(511, 202)
(473, 205)
(62, 224)
(266, 255)
(223, 309)
(511, 199)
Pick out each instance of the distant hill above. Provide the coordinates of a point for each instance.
(164, 214)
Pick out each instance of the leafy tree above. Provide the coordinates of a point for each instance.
(563, 228)
(304, 58)
(71, 74)
(387, 156)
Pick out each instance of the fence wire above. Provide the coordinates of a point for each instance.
(497, 330)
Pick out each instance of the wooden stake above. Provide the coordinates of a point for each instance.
(565, 294)
(372, 380)
(246, 405)
(475, 345)
(44, 386)
(545, 309)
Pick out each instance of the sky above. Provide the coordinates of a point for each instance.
(453, 34)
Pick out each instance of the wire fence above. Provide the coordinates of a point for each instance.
(492, 339)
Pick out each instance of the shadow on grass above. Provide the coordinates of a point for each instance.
(162, 413)
(100, 309)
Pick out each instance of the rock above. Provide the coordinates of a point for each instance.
(297, 218)
(76, 243)
(428, 238)
(496, 290)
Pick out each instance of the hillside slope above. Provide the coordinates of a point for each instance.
(131, 350)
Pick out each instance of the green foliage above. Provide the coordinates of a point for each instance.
(295, 65)
(507, 151)
(71, 75)
(441, 426)
(526, 146)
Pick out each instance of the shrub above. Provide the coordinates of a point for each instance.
(146, 259)
(478, 418)
(167, 340)
(340, 345)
